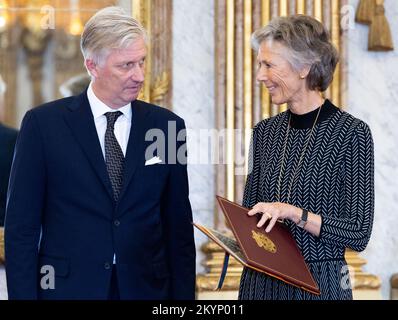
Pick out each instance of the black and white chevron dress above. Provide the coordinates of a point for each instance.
(335, 180)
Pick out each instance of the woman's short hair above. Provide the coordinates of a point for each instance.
(308, 43)
(110, 28)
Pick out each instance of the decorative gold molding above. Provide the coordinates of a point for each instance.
(8, 64)
(248, 82)
(360, 279)
(300, 6)
(394, 287)
(265, 97)
(283, 12)
(380, 38)
(142, 10)
(213, 264)
(336, 39)
(161, 87)
(283, 8)
(35, 42)
(209, 283)
(372, 12)
(155, 16)
(365, 11)
(230, 98)
(318, 10)
(220, 81)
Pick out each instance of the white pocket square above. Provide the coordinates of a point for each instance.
(153, 161)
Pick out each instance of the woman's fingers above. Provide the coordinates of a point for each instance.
(253, 212)
(261, 209)
(258, 208)
(271, 224)
(264, 218)
(269, 211)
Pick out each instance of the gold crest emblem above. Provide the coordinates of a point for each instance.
(264, 242)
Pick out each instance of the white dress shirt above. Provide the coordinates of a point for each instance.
(122, 124)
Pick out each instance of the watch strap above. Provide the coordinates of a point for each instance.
(303, 219)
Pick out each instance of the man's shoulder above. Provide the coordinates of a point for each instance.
(159, 112)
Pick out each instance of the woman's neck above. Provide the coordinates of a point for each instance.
(306, 103)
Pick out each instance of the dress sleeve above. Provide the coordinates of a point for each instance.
(353, 227)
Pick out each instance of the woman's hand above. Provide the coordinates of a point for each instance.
(273, 212)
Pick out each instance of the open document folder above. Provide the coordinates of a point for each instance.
(274, 253)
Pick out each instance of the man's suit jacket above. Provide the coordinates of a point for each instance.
(8, 137)
(61, 210)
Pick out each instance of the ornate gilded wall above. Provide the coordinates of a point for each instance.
(241, 103)
(373, 97)
(40, 50)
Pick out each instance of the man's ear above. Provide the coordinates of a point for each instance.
(92, 67)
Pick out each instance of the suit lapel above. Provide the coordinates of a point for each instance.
(135, 153)
(80, 120)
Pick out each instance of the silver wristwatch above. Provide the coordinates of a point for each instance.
(303, 219)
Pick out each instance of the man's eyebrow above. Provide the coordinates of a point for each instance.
(130, 61)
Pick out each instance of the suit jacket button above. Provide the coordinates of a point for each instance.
(107, 265)
(116, 223)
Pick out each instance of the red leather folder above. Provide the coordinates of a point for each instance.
(274, 253)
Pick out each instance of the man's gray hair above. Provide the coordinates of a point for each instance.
(109, 29)
(308, 43)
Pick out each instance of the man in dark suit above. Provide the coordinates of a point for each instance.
(8, 137)
(92, 214)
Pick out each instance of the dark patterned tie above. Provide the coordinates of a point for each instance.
(114, 157)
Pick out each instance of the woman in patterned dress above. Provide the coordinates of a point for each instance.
(312, 166)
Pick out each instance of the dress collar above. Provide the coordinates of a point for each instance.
(306, 121)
